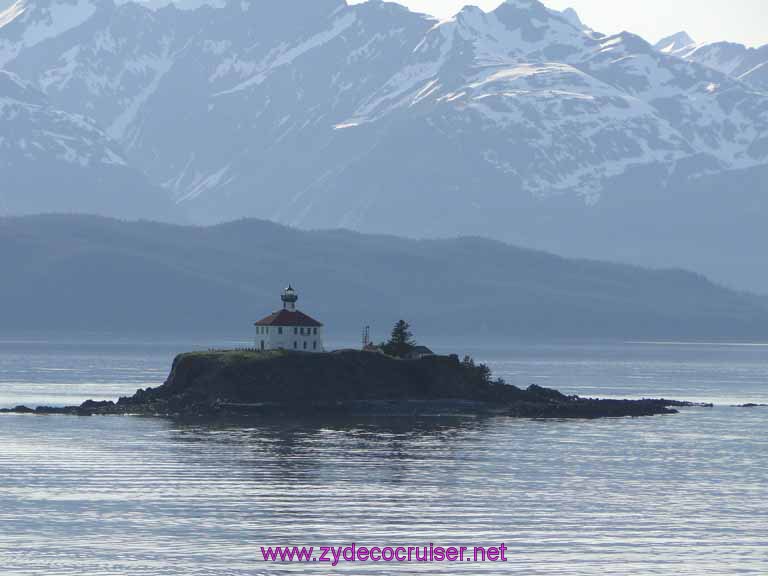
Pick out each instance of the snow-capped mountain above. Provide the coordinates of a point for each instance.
(521, 123)
(740, 62)
(53, 160)
(674, 43)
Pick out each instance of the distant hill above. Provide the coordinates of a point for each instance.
(77, 273)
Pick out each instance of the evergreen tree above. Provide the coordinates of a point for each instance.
(485, 373)
(401, 341)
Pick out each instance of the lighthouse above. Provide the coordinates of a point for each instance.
(289, 328)
(289, 298)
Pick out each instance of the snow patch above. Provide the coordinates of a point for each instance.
(345, 125)
(160, 66)
(203, 184)
(285, 55)
(12, 12)
(61, 17)
(216, 47)
(41, 23)
(112, 158)
(61, 76)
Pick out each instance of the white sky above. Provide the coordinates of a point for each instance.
(744, 21)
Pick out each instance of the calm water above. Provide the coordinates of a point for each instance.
(673, 495)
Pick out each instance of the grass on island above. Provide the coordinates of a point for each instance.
(235, 355)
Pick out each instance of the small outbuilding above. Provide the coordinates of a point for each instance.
(419, 352)
(369, 347)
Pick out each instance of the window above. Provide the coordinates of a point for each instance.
(262, 344)
(315, 331)
(280, 330)
(295, 345)
(314, 345)
(295, 330)
(305, 344)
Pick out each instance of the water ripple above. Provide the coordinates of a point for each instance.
(682, 495)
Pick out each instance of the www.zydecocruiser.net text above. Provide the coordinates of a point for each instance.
(334, 555)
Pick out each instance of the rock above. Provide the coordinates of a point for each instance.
(546, 393)
(348, 382)
(17, 410)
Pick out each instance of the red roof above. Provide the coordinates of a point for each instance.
(288, 318)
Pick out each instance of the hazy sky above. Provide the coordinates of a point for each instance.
(744, 21)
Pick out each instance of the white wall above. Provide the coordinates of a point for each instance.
(288, 340)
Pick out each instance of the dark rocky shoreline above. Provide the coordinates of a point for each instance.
(215, 384)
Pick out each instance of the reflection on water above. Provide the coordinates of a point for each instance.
(684, 495)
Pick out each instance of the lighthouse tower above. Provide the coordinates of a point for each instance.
(289, 298)
(289, 328)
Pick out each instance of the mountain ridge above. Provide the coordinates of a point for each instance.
(370, 116)
(745, 63)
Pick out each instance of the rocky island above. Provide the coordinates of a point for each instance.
(349, 382)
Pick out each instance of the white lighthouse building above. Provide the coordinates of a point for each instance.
(289, 328)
